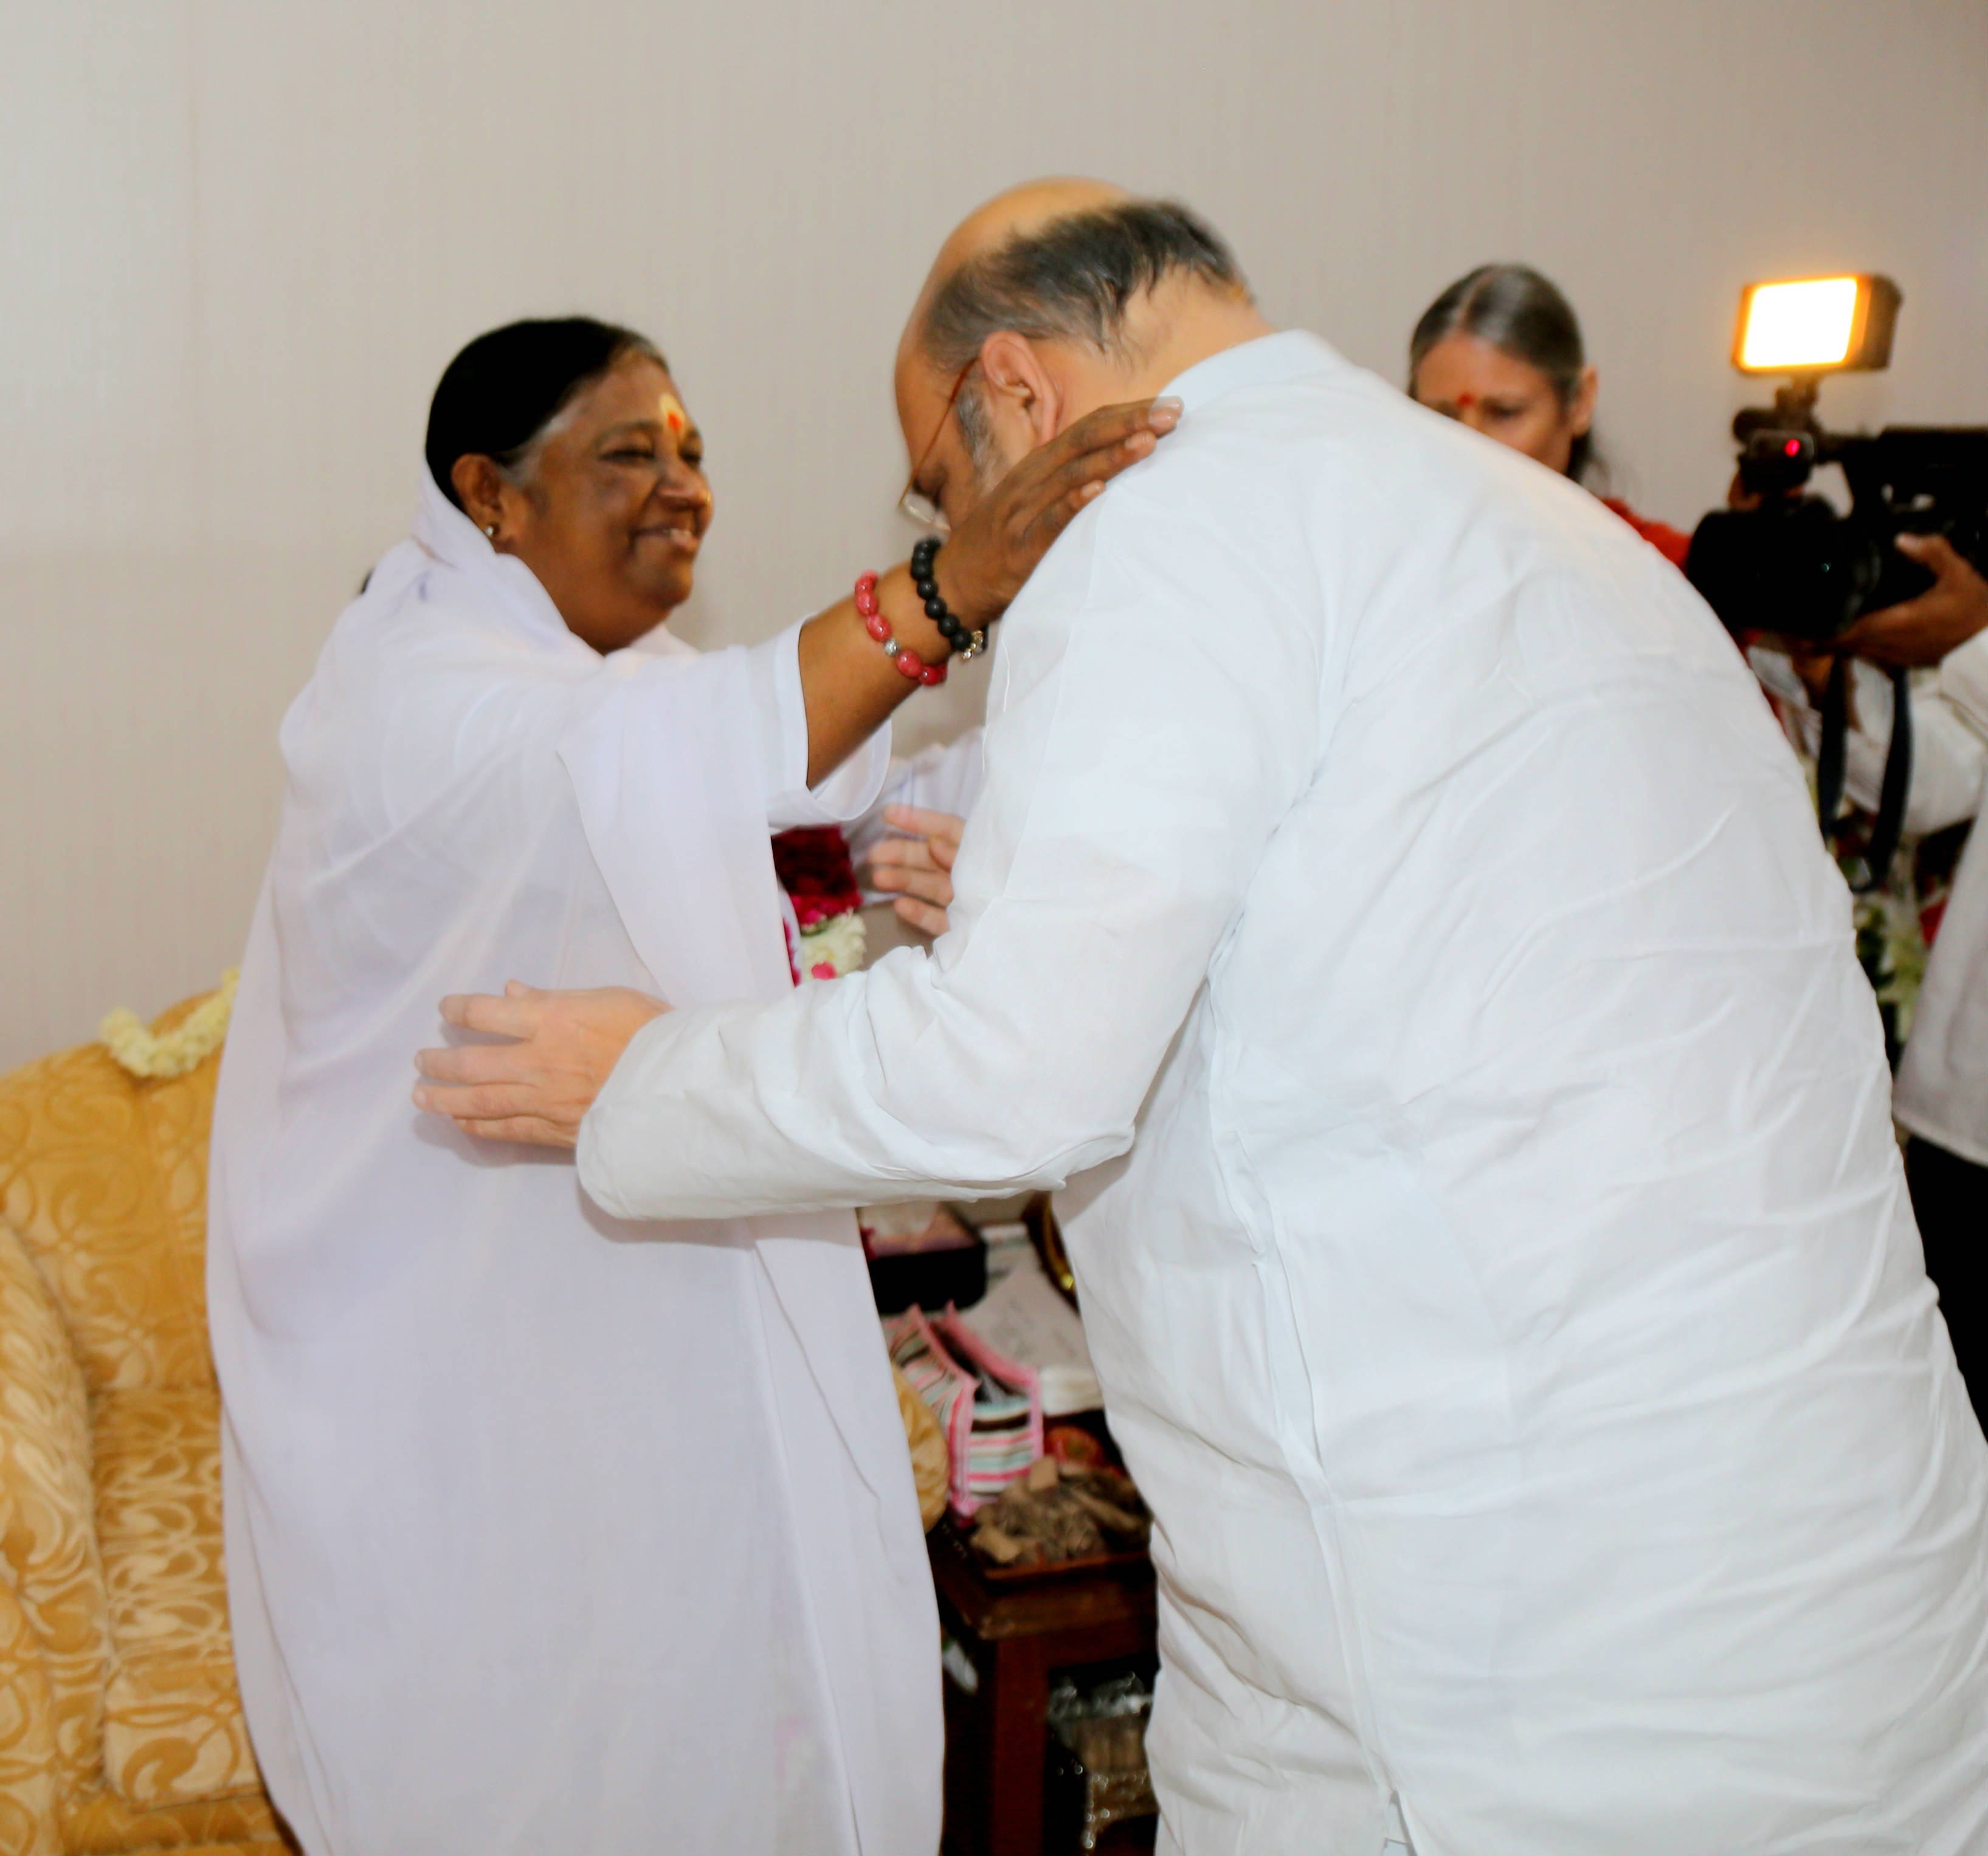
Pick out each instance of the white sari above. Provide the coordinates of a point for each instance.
(545, 1531)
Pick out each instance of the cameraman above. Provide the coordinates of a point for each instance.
(1500, 350)
(1942, 1093)
(1897, 922)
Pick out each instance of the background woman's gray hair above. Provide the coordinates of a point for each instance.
(1519, 313)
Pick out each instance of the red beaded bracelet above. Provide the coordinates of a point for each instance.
(907, 662)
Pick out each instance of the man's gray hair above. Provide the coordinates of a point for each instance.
(1074, 278)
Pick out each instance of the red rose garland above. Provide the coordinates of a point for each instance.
(814, 868)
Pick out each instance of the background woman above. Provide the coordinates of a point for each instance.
(547, 1532)
(1500, 350)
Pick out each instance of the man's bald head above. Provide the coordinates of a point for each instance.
(1052, 300)
(1058, 259)
(1014, 213)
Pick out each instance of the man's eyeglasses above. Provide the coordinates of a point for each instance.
(921, 509)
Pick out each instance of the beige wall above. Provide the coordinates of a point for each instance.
(242, 239)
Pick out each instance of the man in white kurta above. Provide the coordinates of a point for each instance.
(1392, 911)
(545, 1533)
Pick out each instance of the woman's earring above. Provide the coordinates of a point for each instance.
(490, 529)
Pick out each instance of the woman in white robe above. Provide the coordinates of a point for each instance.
(547, 1531)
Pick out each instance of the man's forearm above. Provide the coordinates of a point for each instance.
(737, 1109)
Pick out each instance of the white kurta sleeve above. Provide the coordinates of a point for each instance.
(1949, 756)
(1964, 680)
(846, 792)
(1155, 717)
(1950, 763)
(1949, 752)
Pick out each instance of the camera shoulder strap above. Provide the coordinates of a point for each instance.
(1889, 824)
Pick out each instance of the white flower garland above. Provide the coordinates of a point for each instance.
(189, 1043)
(837, 943)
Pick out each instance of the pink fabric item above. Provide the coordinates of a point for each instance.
(1003, 1442)
(916, 1352)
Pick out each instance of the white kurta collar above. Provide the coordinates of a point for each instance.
(1286, 356)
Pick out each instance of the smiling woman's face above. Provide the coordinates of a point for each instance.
(612, 508)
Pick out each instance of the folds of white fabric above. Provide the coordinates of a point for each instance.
(546, 1530)
(1392, 910)
(1943, 1092)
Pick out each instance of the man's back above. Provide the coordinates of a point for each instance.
(1390, 909)
(1514, 1247)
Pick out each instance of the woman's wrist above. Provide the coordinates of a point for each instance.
(898, 599)
(967, 640)
(904, 611)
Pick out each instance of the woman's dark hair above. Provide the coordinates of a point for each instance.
(499, 395)
(1519, 313)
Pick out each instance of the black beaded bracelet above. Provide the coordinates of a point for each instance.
(968, 644)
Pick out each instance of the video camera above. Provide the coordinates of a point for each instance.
(1783, 561)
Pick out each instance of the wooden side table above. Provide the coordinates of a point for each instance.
(1016, 1635)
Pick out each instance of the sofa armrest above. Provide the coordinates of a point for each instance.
(50, 1565)
(30, 1813)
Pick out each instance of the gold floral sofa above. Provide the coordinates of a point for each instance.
(120, 1726)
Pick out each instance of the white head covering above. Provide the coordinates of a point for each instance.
(545, 1530)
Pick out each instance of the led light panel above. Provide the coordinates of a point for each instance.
(1799, 325)
(1816, 324)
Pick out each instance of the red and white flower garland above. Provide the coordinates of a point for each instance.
(825, 934)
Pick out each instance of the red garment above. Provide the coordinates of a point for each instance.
(1672, 544)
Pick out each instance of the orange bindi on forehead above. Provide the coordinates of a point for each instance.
(1465, 401)
(676, 421)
